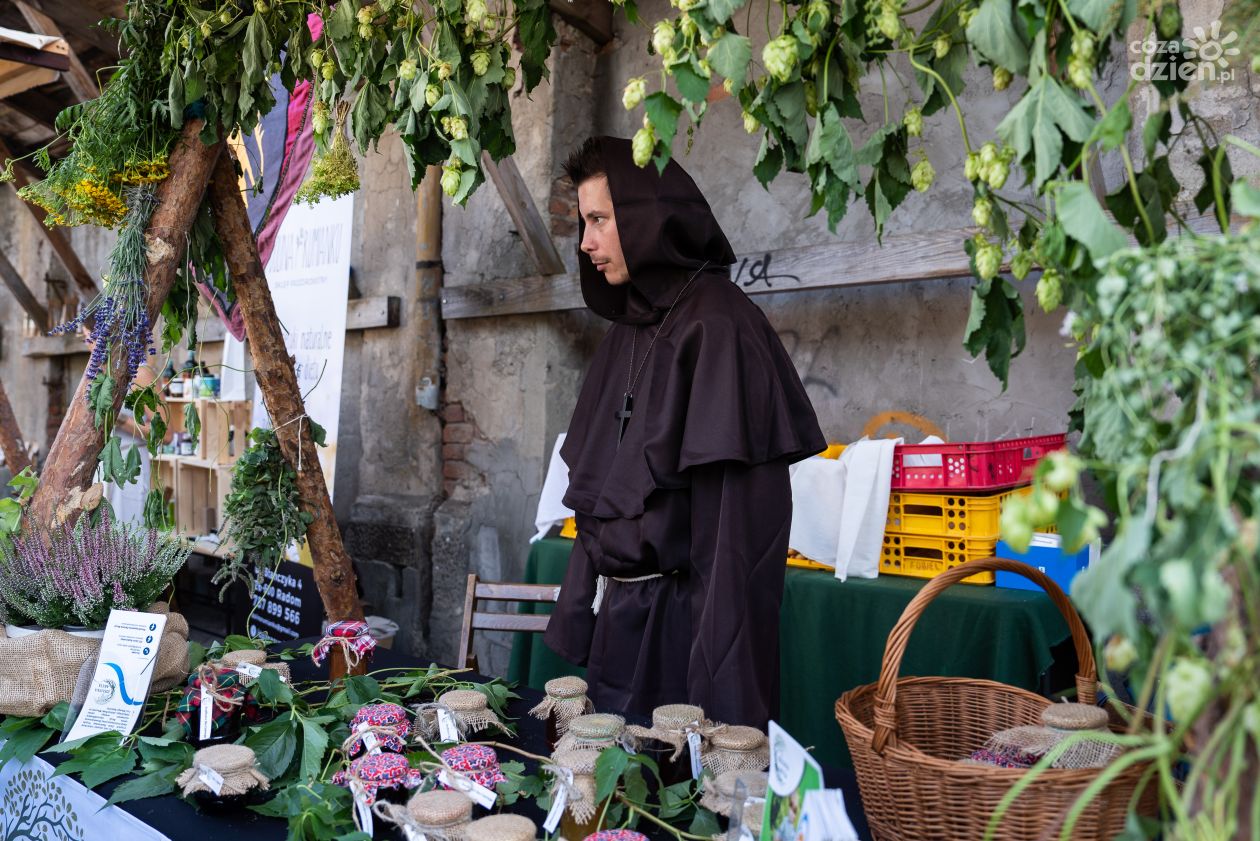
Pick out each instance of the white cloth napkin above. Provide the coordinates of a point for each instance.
(840, 507)
(551, 508)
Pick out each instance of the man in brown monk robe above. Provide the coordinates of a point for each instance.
(678, 455)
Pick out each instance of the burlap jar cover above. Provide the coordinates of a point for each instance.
(719, 792)
(593, 732)
(1023, 747)
(566, 699)
(40, 670)
(254, 657)
(501, 828)
(236, 764)
(736, 748)
(671, 723)
(574, 772)
(436, 815)
(470, 708)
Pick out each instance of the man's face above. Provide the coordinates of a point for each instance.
(601, 242)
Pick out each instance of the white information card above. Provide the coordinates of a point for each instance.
(120, 683)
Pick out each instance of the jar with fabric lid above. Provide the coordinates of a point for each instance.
(573, 772)
(719, 791)
(593, 732)
(564, 700)
(673, 727)
(478, 763)
(616, 835)
(377, 727)
(348, 647)
(436, 815)
(470, 710)
(380, 776)
(1024, 746)
(736, 748)
(224, 777)
(501, 828)
(253, 657)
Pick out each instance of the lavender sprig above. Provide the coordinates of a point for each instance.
(121, 311)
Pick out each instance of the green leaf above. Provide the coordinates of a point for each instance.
(769, 162)
(24, 737)
(691, 85)
(1099, 15)
(1102, 591)
(314, 744)
(101, 398)
(1035, 122)
(368, 116)
(361, 689)
(705, 824)
(721, 10)
(256, 53)
(1083, 219)
(536, 37)
(1114, 127)
(175, 100)
(992, 32)
(730, 56)
(830, 142)
(1156, 130)
(149, 785)
(274, 744)
(995, 328)
(608, 769)
(341, 22)
(192, 423)
(663, 110)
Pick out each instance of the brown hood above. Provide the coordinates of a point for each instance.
(667, 232)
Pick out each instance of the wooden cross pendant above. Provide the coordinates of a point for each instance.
(623, 415)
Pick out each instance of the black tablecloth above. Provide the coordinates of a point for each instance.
(179, 819)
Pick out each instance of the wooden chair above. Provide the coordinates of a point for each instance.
(499, 591)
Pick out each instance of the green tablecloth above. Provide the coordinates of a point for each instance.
(832, 639)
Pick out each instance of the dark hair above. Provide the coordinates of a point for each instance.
(586, 162)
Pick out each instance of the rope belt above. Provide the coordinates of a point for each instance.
(601, 584)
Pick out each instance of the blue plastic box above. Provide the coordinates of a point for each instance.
(1045, 554)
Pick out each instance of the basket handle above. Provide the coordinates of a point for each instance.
(885, 712)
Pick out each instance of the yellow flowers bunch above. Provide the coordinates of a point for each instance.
(143, 171)
(96, 203)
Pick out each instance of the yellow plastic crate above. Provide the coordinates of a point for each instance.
(569, 529)
(921, 556)
(796, 559)
(947, 515)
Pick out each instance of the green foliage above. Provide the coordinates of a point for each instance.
(261, 509)
(11, 507)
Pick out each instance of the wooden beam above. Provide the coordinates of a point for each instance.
(38, 107)
(11, 444)
(535, 235)
(77, 76)
(593, 18)
(361, 314)
(57, 238)
(273, 368)
(71, 463)
(23, 294)
(36, 58)
(908, 257)
(78, 18)
(45, 347)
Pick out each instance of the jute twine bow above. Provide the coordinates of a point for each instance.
(427, 720)
(359, 734)
(579, 790)
(676, 738)
(209, 677)
(348, 649)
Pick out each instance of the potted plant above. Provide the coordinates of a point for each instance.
(57, 587)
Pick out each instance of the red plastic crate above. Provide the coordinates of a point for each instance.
(977, 466)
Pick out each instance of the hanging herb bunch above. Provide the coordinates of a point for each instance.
(261, 512)
(335, 172)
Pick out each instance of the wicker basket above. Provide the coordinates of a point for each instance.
(908, 737)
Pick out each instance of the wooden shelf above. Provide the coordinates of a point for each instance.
(191, 461)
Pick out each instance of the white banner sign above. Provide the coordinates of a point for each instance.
(309, 277)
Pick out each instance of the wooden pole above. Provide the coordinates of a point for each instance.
(11, 443)
(334, 574)
(72, 458)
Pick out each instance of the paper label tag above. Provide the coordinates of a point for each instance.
(558, 802)
(361, 807)
(253, 670)
(206, 716)
(448, 730)
(413, 834)
(693, 742)
(120, 679)
(370, 743)
(480, 794)
(212, 778)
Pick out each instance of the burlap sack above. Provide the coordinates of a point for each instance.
(40, 670)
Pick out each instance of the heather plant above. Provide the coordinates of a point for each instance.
(74, 575)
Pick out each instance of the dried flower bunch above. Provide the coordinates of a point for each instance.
(74, 575)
